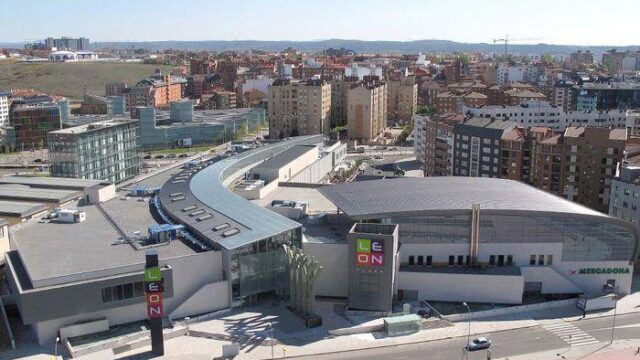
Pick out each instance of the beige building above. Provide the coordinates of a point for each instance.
(402, 99)
(298, 108)
(367, 110)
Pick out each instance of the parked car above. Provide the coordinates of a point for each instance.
(37, 160)
(183, 155)
(393, 149)
(479, 344)
(160, 156)
(172, 156)
(380, 148)
(378, 157)
(147, 157)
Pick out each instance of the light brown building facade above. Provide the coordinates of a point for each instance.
(298, 108)
(367, 110)
(402, 99)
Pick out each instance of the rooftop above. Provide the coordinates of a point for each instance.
(53, 253)
(20, 209)
(98, 125)
(52, 182)
(378, 198)
(26, 193)
(284, 157)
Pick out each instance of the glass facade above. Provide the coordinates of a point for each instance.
(32, 124)
(109, 152)
(582, 240)
(434, 229)
(261, 266)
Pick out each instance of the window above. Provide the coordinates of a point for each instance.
(420, 260)
(123, 292)
(500, 260)
(460, 260)
(549, 259)
(411, 260)
(540, 259)
(429, 260)
(532, 260)
(492, 259)
(509, 260)
(452, 260)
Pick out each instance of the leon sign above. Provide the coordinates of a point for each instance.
(369, 252)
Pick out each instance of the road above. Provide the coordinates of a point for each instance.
(505, 343)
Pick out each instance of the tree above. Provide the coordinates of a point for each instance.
(424, 109)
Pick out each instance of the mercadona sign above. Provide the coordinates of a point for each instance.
(604, 271)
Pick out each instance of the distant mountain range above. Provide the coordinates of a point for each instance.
(359, 46)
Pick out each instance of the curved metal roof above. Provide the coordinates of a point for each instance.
(206, 190)
(368, 199)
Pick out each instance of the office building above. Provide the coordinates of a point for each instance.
(32, 123)
(106, 150)
(299, 108)
(367, 110)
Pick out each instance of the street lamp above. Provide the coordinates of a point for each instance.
(56, 347)
(271, 339)
(615, 310)
(469, 333)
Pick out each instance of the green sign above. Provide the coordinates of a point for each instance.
(604, 271)
(152, 274)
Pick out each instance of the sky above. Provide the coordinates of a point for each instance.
(564, 22)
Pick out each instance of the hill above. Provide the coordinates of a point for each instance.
(360, 46)
(69, 79)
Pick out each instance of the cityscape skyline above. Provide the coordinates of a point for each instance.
(544, 21)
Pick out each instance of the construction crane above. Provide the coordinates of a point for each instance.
(506, 40)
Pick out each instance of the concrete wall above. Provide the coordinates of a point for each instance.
(334, 277)
(90, 327)
(99, 194)
(552, 281)
(314, 172)
(210, 297)
(189, 275)
(463, 287)
(287, 171)
(511, 310)
(593, 283)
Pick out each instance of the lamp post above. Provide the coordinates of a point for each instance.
(615, 310)
(469, 331)
(271, 339)
(56, 347)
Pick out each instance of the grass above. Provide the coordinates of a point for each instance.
(69, 79)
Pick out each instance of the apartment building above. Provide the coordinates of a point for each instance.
(299, 108)
(563, 95)
(105, 150)
(115, 88)
(219, 100)
(581, 57)
(542, 113)
(402, 98)
(592, 157)
(339, 97)
(434, 142)
(367, 110)
(625, 188)
(478, 147)
(455, 101)
(4, 108)
(154, 92)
